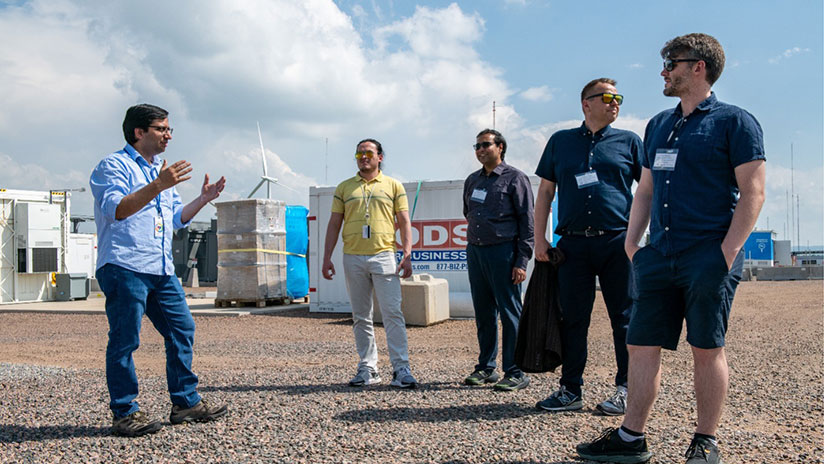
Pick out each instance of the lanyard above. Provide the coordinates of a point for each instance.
(675, 131)
(367, 204)
(149, 181)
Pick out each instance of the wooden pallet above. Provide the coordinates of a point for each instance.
(259, 303)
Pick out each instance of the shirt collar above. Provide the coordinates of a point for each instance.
(377, 178)
(705, 105)
(498, 170)
(130, 150)
(600, 133)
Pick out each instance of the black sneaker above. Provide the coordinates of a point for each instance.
(609, 447)
(134, 425)
(201, 412)
(511, 383)
(561, 400)
(480, 377)
(701, 451)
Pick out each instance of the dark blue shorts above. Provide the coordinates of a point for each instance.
(693, 285)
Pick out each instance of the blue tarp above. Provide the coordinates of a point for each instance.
(297, 274)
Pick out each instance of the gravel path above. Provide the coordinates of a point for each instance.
(285, 375)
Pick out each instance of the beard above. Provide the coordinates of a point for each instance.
(675, 88)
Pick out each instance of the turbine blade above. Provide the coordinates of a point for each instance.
(263, 153)
(256, 188)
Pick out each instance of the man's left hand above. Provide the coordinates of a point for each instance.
(519, 275)
(211, 191)
(404, 267)
(730, 255)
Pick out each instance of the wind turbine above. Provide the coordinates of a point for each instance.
(265, 178)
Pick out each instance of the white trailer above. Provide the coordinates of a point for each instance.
(34, 242)
(439, 233)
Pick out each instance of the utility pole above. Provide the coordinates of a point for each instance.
(326, 165)
(798, 243)
(792, 193)
(494, 114)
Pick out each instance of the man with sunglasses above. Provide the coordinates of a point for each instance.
(136, 207)
(368, 206)
(593, 166)
(701, 190)
(498, 205)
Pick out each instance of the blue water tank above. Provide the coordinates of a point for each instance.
(297, 239)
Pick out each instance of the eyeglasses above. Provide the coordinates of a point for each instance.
(163, 129)
(481, 145)
(669, 64)
(608, 98)
(367, 154)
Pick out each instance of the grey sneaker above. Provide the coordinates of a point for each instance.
(365, 376)
(201, 412)
(402, 378)
(480, 377)
(134, 425)
(561, 400)
(616, 404)
(702, 451)
(511, 383)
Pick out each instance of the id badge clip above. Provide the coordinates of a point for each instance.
(479, 195)
(158, 227)
(365, 231)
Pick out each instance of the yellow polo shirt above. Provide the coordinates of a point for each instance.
(386, 197)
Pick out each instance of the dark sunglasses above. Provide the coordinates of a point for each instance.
(608, 98)
(481, 145)
(669, 64)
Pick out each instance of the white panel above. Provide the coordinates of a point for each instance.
(34, 287)
(8, 254)
(81, 255)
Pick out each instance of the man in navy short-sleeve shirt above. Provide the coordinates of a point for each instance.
(702, 188)
(593, 166)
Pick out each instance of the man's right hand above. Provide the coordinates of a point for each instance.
(174, 174)
(542, 247)
(630, 249)
(328, 270)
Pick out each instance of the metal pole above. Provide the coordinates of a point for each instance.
(792, 193)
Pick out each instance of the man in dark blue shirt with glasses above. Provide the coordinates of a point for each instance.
(593, 167)
(702, 187)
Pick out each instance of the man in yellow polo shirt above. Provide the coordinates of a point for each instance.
(367, 205)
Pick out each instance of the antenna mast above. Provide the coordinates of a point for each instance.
(494, 114)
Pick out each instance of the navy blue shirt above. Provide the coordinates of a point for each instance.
(615, 156)
(504, 214)
(694, 202)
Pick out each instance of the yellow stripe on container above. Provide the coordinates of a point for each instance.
(277, 252)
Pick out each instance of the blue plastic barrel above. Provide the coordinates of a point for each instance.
(297, 239)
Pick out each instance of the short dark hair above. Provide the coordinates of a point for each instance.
(498, 139)
(141, 117)
(701, 47)
(377, 146)
(602, 80)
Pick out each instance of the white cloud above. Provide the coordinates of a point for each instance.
(789, 53)
(537, 94)
(636, 66)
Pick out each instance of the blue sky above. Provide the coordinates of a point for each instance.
(419, 76)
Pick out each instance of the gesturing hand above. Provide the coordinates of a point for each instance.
(174, 174)
(211, 191)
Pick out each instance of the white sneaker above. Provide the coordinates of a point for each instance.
(365, 376)
(616, 404)
(402, 378)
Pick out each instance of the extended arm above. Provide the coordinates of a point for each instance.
(331, 239)
(639, 213)
(544, 200)
(168, 177)
(750, 177)
(208, 193)
(405, 266)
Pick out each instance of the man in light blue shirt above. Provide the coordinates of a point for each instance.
(136, 208)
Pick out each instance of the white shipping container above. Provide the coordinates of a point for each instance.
(439, 233)
(81, 257)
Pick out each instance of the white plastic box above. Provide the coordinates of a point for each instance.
(425, 301)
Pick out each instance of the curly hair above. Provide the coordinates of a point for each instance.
(701, 47)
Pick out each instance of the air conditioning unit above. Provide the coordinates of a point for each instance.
(37, 227)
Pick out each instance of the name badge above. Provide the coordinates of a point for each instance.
(365, 231)
(586, 179)
(158, 227)
(665, 159)
(479, 195)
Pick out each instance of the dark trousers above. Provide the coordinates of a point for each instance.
(490, 270)
(586, 258)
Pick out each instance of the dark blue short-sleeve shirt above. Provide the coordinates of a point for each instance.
(695, 200)
(615, 156)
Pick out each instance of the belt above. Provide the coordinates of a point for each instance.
(585, 233)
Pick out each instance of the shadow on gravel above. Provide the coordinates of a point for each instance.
(334, 388)
(520, 462)
(483, 412)
(20, 433)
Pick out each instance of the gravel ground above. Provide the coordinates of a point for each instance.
(285, 375)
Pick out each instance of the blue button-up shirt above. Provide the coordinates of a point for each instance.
(506, 212)
(694, 202)
(614, 154)
(131, 242)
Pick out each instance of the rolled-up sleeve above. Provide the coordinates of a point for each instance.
(177, 210)
(523, 206)
(109, 184)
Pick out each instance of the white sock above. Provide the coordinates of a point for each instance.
(626, 437)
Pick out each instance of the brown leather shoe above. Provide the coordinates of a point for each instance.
(134, 425)
(201, 412)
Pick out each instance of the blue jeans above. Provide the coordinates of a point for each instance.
(490, 270)
(586, 258)
(130, 295)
